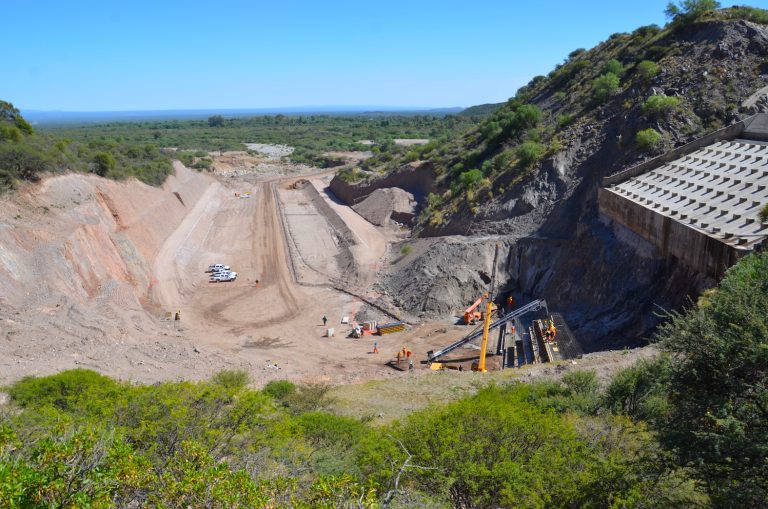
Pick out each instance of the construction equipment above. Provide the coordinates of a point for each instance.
(487, 318)
(517, 313)
(389, 328)
(471, 315)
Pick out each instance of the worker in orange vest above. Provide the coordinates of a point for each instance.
(552, 330)
(510, 303)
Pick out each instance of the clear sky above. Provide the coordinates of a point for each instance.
(146, 55)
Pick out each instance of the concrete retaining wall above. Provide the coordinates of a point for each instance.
(695, 249)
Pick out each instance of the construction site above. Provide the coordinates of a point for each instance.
(112, 275)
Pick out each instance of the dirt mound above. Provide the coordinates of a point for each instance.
(388, 203)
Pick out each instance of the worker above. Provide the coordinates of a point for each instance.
(325, 320)
(510, 302)
(375, 347)
(410, 365)
(178, 316)
(551, 331)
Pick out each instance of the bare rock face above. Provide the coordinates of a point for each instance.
(757, 102)
(385, 204)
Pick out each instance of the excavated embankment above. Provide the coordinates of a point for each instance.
(76, 256)
(78, 236)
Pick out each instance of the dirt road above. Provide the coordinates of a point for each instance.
(92, 269)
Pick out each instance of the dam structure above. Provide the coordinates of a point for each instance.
(698, 203)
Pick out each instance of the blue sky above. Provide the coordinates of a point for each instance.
(139, 55)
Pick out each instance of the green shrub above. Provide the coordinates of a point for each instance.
(647, 70)
(648, 139)
(104, 163)
(581, 382)
(307, 398)
(605, 86)
(647, 30)
(763, 215)
(80, 390)
(528, 154)
(279, 389)
(469, 179)
(203, 164)
(231, 379)
(754, 14)
(658, 106)
(564, 119)
(406, 249)
(10, 133)
(639, 391)
(613, 66)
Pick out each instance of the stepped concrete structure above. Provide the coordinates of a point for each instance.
(700, 202)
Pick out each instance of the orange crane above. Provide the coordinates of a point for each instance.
(470, 314)
(488, 311)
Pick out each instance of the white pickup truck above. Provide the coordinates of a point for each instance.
(223, 277)
(217, 267)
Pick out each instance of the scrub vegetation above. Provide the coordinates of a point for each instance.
(26, 153)
(686, 429)
(312, 136)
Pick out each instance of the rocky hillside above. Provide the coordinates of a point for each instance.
(528, 176)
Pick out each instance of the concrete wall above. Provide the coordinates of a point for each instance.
(695, 249)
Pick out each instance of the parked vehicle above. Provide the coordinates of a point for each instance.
(217, 267)
(222, 277)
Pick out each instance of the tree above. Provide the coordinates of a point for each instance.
(717, 423)
(23, 161)
(216, 121)
(105, 162)
(605, 86)
(687, 11)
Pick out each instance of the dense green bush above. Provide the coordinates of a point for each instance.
(658, 106)
(469, 179)
(279, 389)
(639, 392)
(716, 422)
(647, 70)
(104, 163)
(605, 86)
(613, 66)
(529, 153)
(648, 139)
